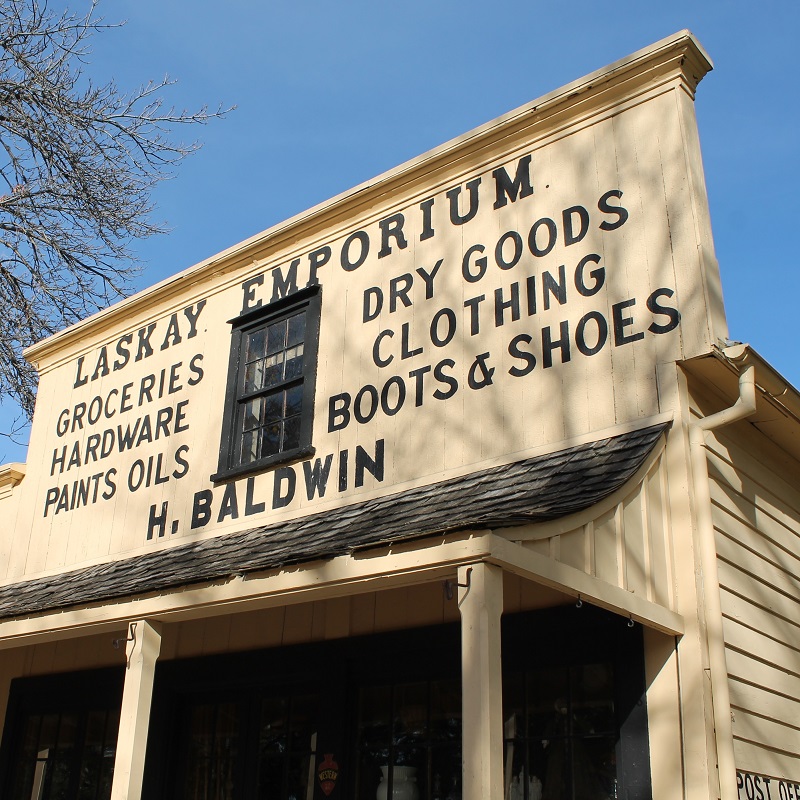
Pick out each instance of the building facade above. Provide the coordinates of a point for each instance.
(451, 487)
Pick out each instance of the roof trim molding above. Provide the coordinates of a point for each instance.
(11, 475)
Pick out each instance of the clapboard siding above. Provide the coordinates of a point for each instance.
(743, 666)
(756, 515)
(781, 709)
(765, 760)
(782, 614)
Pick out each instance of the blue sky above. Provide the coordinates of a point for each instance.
(329, 94)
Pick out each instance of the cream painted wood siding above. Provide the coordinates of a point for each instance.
(625, 540)
(756, 513)
(547, 262)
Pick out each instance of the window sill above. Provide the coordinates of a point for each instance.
(264, 465)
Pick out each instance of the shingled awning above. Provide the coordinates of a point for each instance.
(534, 490)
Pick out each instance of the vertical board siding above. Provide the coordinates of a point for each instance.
(756, 515)
(628, 545)
(340, 617)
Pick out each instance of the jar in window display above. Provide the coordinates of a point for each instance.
(404, 784)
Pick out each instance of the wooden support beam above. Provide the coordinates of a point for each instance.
(480, 600)
(143, 648)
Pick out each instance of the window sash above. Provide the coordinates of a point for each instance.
(264, 439)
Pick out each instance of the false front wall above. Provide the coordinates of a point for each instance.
(508, 292)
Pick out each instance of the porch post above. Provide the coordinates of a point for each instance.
(481, 605)
(142, 652)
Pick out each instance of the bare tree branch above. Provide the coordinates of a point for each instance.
(78, 162)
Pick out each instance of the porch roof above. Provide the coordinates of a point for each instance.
(533, 490)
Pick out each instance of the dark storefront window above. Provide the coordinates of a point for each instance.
(61, 737)
(561, 733)
(574, 709)
(353, 719)
(410, 733)
(287, 746)
(211, 739)
(255, 744)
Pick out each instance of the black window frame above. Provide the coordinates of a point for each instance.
(309, 300)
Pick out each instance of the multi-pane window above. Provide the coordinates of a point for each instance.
(287, 746)
(63, 737)
(271, 403)
(409, 740)
(263, 748)
(271, 385)
(561, 733)
(211, 738)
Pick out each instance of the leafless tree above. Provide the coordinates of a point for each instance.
(78, 162)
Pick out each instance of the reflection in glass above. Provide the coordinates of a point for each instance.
(287, 747)
(297, 329)
(560, 733)
(64, 756)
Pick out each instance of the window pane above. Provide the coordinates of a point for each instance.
(301, 776)
(445, 773)
(62, 763)
(276, 336)
(49, 732)
(297, 329)
(91, 761)
(291, 433)
(446, 711)
(271, 439)
(212, 752)
(252, 413)
(226, 744)
(288, 747)
(550, 767)
(294, 401)
(374, 714)
(303, 725)
(595, 768)
(255, 346)
(273, 372)
(250, 447)
(270, 778)
(294, 362)
(273, 406)
(109, 754)
(514, 768)
(548, 702)
(411, 704)
(592, 699)
(254, 376)
(273, 726)
(369, 773)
